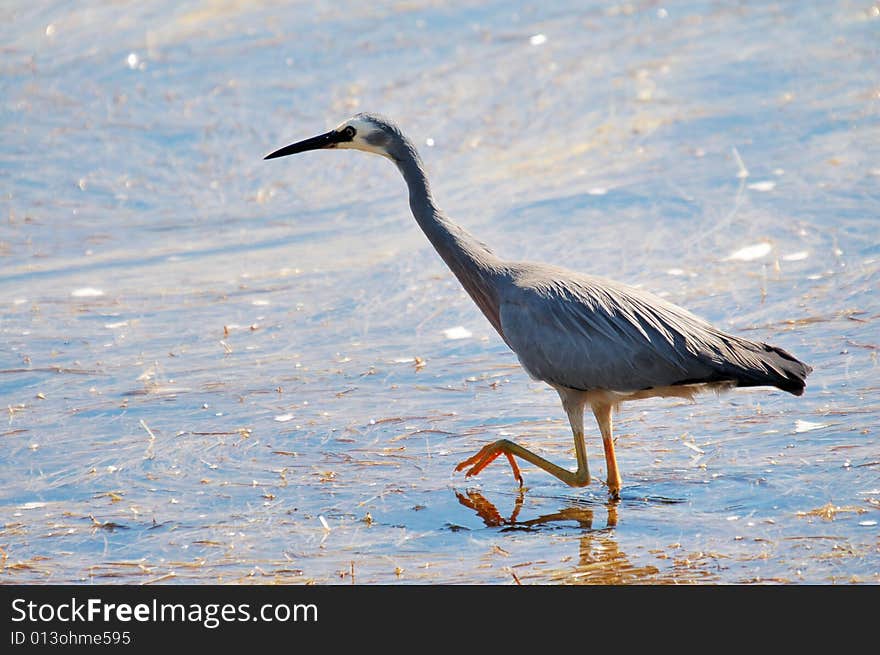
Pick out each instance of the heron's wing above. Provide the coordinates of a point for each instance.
(589, 333)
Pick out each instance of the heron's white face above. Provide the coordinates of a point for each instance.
(365, 132)
(367, 136)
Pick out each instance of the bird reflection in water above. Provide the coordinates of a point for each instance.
(600, 559)
(576, 512)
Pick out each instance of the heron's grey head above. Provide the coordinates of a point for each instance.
(367, 132)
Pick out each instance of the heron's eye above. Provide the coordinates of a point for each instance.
(349, 132)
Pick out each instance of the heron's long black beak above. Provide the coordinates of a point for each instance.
(328, 140)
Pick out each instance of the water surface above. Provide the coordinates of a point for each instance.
(220, 369)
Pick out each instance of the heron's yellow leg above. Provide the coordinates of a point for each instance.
(580, 478)
(603, 418)
(488, 454)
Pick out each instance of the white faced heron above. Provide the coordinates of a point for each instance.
(596, 341)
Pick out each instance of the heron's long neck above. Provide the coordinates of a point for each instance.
(475, 266)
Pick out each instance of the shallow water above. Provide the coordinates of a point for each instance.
(217, 368)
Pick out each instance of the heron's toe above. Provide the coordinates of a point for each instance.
(470, 461)
(481, 460)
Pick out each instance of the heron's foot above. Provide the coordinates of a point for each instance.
(614, 492)
(614, 485)
(487, 455)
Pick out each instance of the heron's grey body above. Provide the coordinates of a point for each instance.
(596, 341)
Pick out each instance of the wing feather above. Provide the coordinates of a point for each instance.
(589, 333)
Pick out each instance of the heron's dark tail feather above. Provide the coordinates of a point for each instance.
(762, 364)
(747, 363)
